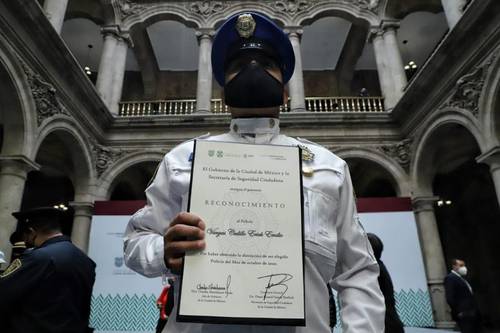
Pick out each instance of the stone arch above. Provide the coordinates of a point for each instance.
(108, 178)
(489, 103)
(445, 169)
(18, 115)
(400, 180)
(62, 132)
(450, 121)
(399, 9)
(280, 18)
(161, 12)
(355, 14)
(92, 10)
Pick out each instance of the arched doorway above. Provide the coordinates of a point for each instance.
(64, 176)
(132, 182)
(17, 127)
(370, 179)
(467, 211)
(49, 187)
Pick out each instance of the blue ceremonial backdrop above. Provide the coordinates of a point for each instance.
(124, 301)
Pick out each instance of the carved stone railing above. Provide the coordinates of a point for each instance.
(188, 106)
(345, 104)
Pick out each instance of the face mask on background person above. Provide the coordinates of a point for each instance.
(254, 87)
(462, 271)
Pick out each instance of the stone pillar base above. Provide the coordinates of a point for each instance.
(445, 324)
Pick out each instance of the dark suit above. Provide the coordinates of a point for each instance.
(392, 322)
(464, 309)
(48, 289)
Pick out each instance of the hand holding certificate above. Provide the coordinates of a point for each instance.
(251, 270)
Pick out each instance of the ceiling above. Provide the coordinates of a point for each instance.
(175, 46)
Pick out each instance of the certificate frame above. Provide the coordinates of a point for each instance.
(272, 320)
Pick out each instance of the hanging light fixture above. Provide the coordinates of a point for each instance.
(87, 68)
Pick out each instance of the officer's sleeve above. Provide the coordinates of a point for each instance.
(361, 301)
(143, 240)
(21, 278)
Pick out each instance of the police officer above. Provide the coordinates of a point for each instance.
(47, 289)
(253, 59)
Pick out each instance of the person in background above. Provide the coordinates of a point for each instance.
(460, 298)
(49, 287)
(253, 59)
(393, 323)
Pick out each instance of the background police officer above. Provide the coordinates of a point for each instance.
(253, 59)
(48, 288)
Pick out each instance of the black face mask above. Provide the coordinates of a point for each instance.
(253, 87)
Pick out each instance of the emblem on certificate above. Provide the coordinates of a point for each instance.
(252, 269)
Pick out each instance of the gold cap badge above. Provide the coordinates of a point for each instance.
(245, 25)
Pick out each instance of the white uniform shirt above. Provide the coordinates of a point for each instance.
(336, 246)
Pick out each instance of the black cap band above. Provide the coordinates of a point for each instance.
(251, 44)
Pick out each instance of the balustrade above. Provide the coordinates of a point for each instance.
(188, 106)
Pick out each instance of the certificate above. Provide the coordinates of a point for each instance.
(252, 269)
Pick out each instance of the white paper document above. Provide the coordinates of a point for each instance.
(252, 269)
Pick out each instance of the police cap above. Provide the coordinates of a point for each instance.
(37, 216)
(251, 31)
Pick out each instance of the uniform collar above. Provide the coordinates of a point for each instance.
(53, 240)
(258, 130)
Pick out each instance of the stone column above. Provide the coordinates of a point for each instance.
(119, 73)
(81, 224)
(383, 69)
(394, 60)
(453, 10)
(106, 65)
(55, 11)
(432, 250)
(296, 83)
(492, 159)
(13, 173)
(112, 66)
(204, 87)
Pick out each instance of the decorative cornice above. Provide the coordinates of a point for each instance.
(206, 8)
(128, 8)
(468, 88)
(105, 157)
(202, 11)
(293, 6)
(400, 151)
(371, 5)
(44, 94)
